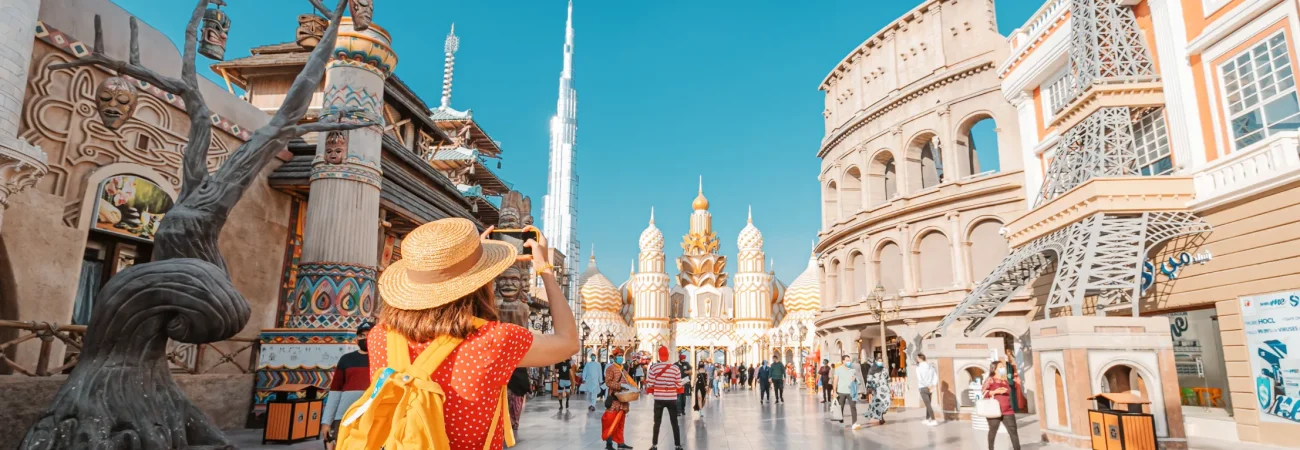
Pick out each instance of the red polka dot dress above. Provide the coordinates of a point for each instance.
(472, 377)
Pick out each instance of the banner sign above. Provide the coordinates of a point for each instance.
(1272, 326)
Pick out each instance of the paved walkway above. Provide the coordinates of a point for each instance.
(739, 422)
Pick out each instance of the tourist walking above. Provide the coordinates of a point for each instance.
(664, 383)
(351, 379)
(777, 374)
(882, 397)
(612, 422)
(764, 383)
(715, 374)
(845, 380)
(638, 373)
(824, 379)
(593, 380)
(928, 380)
(998, 388)
(519, 386)
(752, 375)
(701, 387)
(438, 326)
(685, 388)
(563, 382)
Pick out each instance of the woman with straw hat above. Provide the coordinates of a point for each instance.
(443, 286)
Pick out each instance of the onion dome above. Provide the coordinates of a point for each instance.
(750, 238)
(805, 292)
(597, 292)
(652, 238)
(700, 203)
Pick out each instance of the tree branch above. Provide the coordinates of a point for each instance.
(321, 127)
(191, 45)
(320, 7)
(194, 167)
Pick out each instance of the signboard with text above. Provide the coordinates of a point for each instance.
(1272, 326)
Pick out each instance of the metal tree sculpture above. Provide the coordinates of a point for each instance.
(121, 394)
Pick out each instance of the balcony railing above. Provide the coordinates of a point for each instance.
(1256, 167)
(182, 358)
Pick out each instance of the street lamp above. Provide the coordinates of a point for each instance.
(883, 313)
(586, 332)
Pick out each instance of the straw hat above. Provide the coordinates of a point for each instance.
(442, 261)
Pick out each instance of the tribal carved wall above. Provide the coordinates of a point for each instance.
(59, 115)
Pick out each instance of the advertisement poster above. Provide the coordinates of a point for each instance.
(131, 206)
(1272, 325)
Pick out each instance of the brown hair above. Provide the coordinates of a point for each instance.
(455, 319)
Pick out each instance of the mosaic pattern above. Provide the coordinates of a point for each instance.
(292, 255)
(365, 52)
(362, 105)
(67, 43)
(332, 295)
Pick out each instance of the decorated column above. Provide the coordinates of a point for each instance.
(653, 317)
(21, 164)
(335, 290)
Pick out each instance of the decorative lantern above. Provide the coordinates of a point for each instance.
(216, 30)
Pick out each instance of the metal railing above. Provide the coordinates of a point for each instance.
(182, 358)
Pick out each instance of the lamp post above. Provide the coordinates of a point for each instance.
(876, 304)
(608, 339)
(803, 334)
(586, 332)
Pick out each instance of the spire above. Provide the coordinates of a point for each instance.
(700, 202)
(449, 48)
(652, 215)
(751, 214)
(593, 253)
(568, 43)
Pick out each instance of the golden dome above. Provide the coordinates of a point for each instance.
(804, 293)
(700, 203)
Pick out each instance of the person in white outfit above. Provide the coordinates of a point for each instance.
(928, 380)
(593, 377)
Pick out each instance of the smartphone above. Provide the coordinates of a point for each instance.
(516, 237)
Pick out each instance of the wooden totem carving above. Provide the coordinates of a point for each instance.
(121, 394)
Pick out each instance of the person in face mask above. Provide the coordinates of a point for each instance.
(998, 388)
(616, 380)
(882, 397)
(351, 379)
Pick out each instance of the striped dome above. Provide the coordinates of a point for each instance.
(805, 292)
(597, 292)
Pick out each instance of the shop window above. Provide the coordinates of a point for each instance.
(128, 210)
(1151, 139)
(1259, 92)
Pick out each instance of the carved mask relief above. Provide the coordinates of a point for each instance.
(216, 29)
(336, 147)
(310, 29)
(116, 99)
(362, 12)
(510, 284)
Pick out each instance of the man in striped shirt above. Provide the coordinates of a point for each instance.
(663, 384)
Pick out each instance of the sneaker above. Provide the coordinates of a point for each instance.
(857, 426)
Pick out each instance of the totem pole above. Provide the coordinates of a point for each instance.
(121, 393)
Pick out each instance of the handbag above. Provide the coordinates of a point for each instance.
(988, 408)
(837, 412)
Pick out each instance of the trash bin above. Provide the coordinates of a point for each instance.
(1118, 423)
(292, 414)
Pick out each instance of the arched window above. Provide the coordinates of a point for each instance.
(860, 286)
(889, 266)
(987, 248)
(851, 192)
(1062, 410)
(833, 281)
(882, 178)
(934, 261)
(831, 208)
(977, 146)
(928, 172)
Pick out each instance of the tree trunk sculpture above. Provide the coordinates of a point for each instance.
(121, 394)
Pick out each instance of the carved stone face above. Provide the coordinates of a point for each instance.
(336, 147)
(116, 100)
(528, 220)
(510, 284)
(310, 29)
(509, 218)
(216, 29)
(362, 12)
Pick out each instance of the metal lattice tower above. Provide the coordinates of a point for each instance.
(1099, 257)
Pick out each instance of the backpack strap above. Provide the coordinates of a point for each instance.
(502, 412)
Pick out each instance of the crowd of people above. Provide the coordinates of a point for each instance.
(441, 361)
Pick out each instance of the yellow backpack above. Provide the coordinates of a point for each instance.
(403, 409)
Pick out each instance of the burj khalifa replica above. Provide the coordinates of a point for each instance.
(560, 212)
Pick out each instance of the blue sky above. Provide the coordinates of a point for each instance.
(667, 91)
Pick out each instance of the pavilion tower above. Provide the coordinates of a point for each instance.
(650, 288)
(753, 316)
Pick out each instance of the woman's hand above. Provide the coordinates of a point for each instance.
(541, 254)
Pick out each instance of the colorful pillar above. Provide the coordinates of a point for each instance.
(336, 290)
